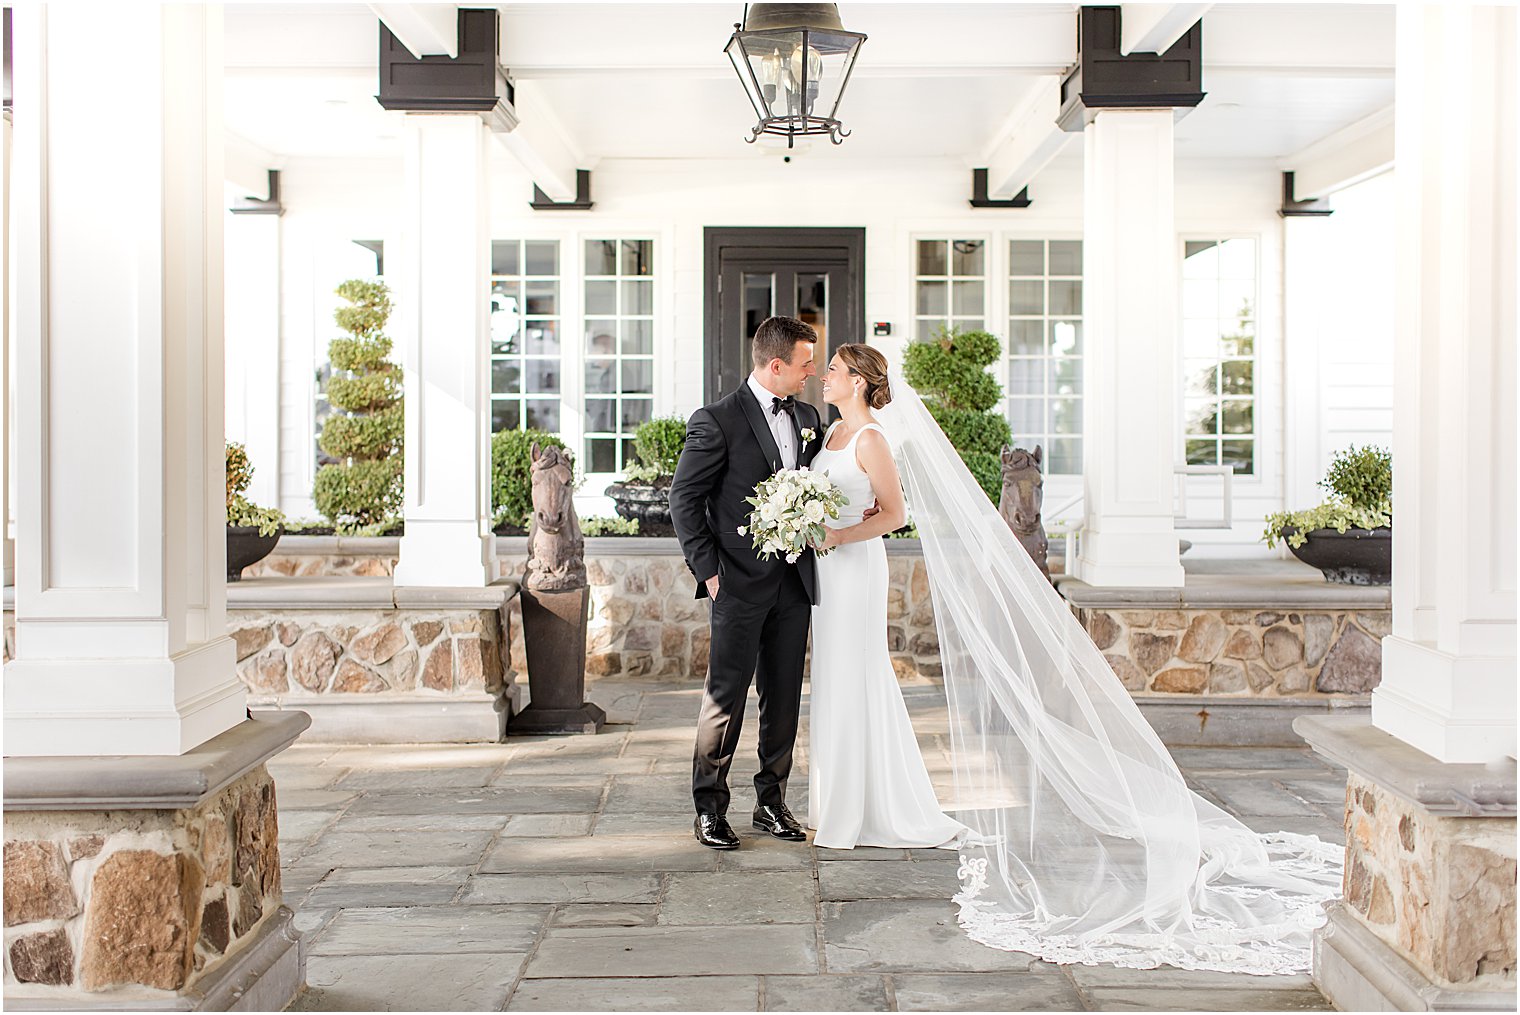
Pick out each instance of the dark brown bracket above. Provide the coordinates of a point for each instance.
(979, 198)
(269, 206)
(582, 202)
(1319, 207)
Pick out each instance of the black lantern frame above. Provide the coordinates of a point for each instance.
(789, 110)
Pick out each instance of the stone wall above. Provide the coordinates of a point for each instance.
(1241, 652)
(1440, 890)
(129, 901)
(284, 654)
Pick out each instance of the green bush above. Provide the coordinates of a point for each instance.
(658, 443)
(600, 526)
(952, 368)
(368, 437)
(511, 483)
(362, 493)
(364, 489)
(1360, 482)
(240, 510)
(365, 392)
(950, 372)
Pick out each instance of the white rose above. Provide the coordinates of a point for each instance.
(770, 511)
(814, 511)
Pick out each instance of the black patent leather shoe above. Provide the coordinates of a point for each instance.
(778, 821)
(713, 831)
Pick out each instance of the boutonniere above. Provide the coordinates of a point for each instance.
(808, 436)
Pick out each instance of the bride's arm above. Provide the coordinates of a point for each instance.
(875, 456)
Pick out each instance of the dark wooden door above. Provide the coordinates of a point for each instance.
(815, 275)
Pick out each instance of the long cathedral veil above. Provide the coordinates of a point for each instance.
(1088, 847)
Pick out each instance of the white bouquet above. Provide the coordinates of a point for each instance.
(790, 508)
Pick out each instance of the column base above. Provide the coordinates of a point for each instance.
(1429, 911)
(588, 718)
(1129, 560)
(150, 883)
(449, 554)
(266, 974)
(1457, 709)
(1357, 971)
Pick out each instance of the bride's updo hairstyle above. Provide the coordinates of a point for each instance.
(870, 366)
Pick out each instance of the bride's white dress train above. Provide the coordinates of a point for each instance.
(867, 782)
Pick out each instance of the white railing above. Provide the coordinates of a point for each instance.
(1072, 531)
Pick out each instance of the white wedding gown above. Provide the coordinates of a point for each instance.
(867, 784)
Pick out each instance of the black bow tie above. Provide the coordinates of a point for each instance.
(787, 405)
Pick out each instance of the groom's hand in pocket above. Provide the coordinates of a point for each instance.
(712, 588)
(874, 509)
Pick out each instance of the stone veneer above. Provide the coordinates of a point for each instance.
(1440, 890)
(1246, 652)
(645, 622)
(137, 901)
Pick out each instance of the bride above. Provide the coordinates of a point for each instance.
(1079, 840)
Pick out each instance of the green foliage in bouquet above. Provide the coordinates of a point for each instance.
(1360, 484)
(511, 481)
(657, 443)
(240, 510)
(790, 508)
(363, 491)
(950, 372)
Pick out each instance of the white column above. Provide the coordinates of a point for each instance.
(120, 586)
(7, 366)
(253, 348)
(1307, 281)
(1448, 684)
(1130, 326)
(442, 328)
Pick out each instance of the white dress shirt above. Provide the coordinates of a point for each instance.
(780, 422)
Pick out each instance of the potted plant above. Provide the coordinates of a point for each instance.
(643, 495)
(1349, 537)
(252, 531)
(511, 480)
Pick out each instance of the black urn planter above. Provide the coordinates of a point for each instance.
(649, 505)
(245, 546)
(1353, 557)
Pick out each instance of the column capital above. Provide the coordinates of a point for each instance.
(1104, 77)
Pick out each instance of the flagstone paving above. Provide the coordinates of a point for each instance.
(559, 874)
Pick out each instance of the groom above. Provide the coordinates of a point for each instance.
(760, 609)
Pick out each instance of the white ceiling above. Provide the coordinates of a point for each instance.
(632, 81)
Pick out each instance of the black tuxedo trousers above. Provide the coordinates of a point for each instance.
(759, 621)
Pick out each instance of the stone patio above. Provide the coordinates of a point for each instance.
(552, 874)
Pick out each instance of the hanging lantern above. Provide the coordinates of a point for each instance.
(795, 61)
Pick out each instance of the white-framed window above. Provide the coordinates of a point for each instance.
(527, 340)
(618, 348)
(1219, 315)
(949, 286)
(1044, 350)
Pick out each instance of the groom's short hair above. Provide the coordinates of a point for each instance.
(778, 336)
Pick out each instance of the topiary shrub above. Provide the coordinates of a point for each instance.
(363, 490)
(950, 372)
(511, 483)
(657, 443)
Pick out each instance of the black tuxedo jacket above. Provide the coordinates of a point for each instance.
(729, 450)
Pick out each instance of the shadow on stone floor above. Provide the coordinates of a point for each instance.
(556, 874)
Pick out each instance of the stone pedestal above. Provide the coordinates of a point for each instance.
(554, 633)
(1428, 920)
(150, 882)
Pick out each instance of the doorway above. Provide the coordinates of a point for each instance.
(815, 275)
